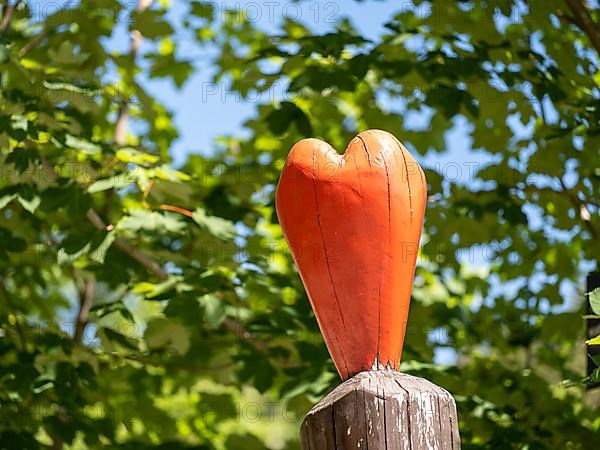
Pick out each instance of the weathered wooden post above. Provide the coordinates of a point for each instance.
(353, 223)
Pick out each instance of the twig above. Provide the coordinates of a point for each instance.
(120, 135)
(86, 299)
(177, 209)
(34, 43)
(581, 208)
(9, 11)
(585, 22)
(237, 329)
(147, 192)
(57, 443)
(172, 208)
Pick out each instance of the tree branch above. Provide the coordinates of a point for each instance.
(123, 114)
(177, 209)
(9, 11)
(584, 21)
(244, 335)
(34, 43)
(129, 249)
(86, 299)
(121, 126)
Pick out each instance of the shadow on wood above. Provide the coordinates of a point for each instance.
(383, 410)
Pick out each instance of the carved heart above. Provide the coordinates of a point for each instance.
(353, 223)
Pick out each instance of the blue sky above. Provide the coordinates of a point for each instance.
(204, 111)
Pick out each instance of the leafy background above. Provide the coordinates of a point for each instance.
(152, 304)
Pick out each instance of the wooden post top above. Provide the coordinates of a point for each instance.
(379, 410)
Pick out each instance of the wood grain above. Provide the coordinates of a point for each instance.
(383, 410)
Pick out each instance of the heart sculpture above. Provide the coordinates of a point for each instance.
(353, 223)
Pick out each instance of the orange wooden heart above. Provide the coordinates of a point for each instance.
(353, 223)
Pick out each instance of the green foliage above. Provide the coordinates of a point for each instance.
(144, 306)
(595, 301)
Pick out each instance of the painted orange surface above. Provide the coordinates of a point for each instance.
(353, 223)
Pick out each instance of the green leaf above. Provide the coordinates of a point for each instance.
(218, 227)
(29, 203)
(153, 291)
(168, 66)
(131, 155)
(140, 219)
(6, 199)
(10, 244)
(100, 245)
(22, 158)
(119, 181)
(4, 54)
(69, 256)
(593, 341)
(595, 300)
(163, 332)
(18, 134)
(82, 145)
(214, 309)
(119, 338)
(280, 119)
(203, 10)
(243, 442)
(71, 196)
(151, 23)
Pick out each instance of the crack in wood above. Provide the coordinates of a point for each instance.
(409, 425)
(389, 203)
(368, 424)
(407, 178)
(307, 437)
(366, 149)
(385, 432)
(335, 446)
